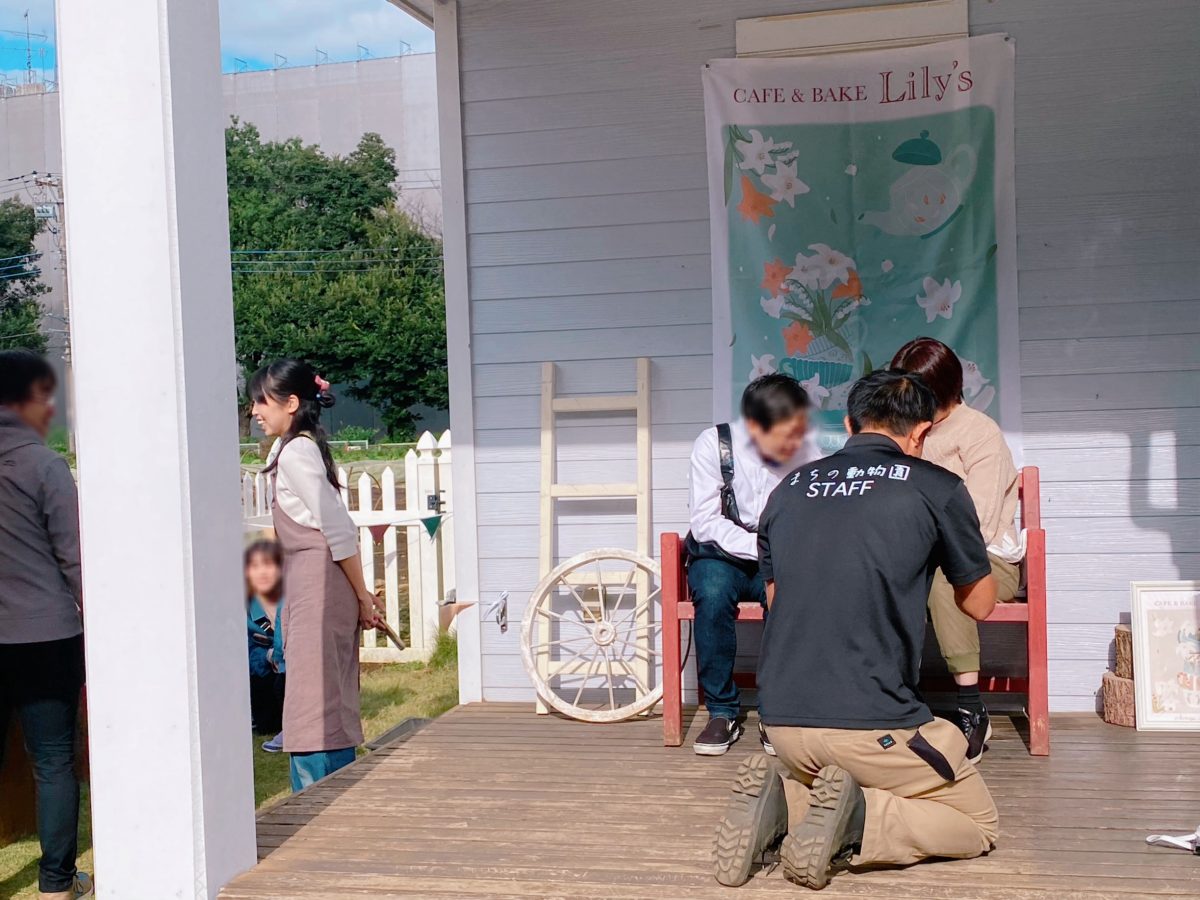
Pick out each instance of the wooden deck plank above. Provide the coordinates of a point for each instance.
(492, 801)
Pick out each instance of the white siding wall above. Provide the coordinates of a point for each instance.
(588, 241)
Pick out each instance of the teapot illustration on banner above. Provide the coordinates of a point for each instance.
(927, 197)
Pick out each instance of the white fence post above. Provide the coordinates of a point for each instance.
(446, 535)
(412, 505)
(391, 562)
(366, 549)
(430, 582)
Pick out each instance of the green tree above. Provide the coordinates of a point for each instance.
(20, 287)
(328, 270)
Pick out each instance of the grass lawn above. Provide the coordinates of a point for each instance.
(390, 694)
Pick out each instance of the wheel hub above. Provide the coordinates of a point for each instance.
(603, 633)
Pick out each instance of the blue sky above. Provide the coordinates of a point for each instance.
(251, 30)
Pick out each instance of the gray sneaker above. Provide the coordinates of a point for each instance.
(755, 819)
(81, 889)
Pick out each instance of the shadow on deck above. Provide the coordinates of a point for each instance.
(493, 801)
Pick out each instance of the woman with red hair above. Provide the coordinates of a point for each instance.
(971, 445)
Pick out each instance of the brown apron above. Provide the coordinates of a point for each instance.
(320, 643)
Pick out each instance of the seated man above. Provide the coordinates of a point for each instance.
(848, 548)
(734, 469)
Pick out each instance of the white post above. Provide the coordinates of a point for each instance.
(431, 582)
(391, 562)
(366, 548)
(172, 785)
(445, 482)
(412, 504)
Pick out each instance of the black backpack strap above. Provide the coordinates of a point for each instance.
(729, 507)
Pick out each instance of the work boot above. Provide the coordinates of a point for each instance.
(717, 737)
(831, 833)
(81, 889)
(756, 817)
(977, 726)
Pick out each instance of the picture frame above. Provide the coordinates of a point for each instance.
(1165, 620)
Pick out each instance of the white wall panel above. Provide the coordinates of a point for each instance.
(589, 245)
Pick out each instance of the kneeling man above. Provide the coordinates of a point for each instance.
(848, 547)
(734, 469)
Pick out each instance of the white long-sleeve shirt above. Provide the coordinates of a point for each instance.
(753, 480)
(304, 493)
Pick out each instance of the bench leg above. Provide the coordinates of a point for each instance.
(1039, 680)
(672, 678)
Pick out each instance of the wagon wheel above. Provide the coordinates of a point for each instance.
(588, 638)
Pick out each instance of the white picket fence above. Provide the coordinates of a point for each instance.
(426, 490)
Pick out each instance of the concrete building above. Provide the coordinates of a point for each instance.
(330, 105)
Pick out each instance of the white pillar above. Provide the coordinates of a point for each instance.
(152, 330)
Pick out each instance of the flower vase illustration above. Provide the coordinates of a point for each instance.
(821, 296)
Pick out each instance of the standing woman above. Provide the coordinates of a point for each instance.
(971, 445)
(327, 600)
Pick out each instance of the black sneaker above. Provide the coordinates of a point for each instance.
(765, 741)
(754, 821)
(977, 726)
(717, 737)
(831, 833)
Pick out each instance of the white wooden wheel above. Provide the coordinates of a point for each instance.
(589, 638)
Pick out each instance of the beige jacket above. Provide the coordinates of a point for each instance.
(971, 445)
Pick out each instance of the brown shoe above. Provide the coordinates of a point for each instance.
(754, 821)
(81, 889)
(832, 830)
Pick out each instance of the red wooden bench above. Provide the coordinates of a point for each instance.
(677, 606)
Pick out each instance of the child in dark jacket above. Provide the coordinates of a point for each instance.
(264, 603)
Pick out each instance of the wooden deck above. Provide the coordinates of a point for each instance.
(492, 801)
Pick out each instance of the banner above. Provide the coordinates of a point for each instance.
(858, 201)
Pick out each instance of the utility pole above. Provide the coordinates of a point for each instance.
(50, 186)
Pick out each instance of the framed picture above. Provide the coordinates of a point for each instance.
(1166, 654)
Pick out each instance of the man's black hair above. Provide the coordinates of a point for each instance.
(890, 400)
(20, 372)
(772, 399)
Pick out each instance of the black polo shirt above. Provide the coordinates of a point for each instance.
(851, 542)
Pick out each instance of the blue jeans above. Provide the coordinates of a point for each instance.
(717, 588)
(40, 684)
(307, 768)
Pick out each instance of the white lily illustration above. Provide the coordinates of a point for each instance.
(762, 365)
(834, 265)
(973, 380)
(772, 306)
(756, 154)
(939, 299)
(816, 393)
(784, 184)
(808, 272)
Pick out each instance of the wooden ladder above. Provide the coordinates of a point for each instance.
(552, 490)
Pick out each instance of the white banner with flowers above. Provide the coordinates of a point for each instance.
(858, 201)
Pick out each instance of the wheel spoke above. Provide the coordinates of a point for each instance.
(624, 590)
(574, 593)
(592, 665)
(632, 673)
(612, 700)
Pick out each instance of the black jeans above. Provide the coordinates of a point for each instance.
(266, 702)
(40, 683)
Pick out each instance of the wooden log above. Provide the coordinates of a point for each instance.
(1124, 667)
(1118, 700)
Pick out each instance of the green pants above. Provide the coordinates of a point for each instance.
(957, 633)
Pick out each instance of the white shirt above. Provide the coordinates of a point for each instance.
(304, 493)
(753, 480)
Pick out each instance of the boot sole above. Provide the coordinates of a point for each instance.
(807, 853)
(755, 818)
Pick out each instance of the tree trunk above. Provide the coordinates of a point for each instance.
(1124, 666)
(1118, 700)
